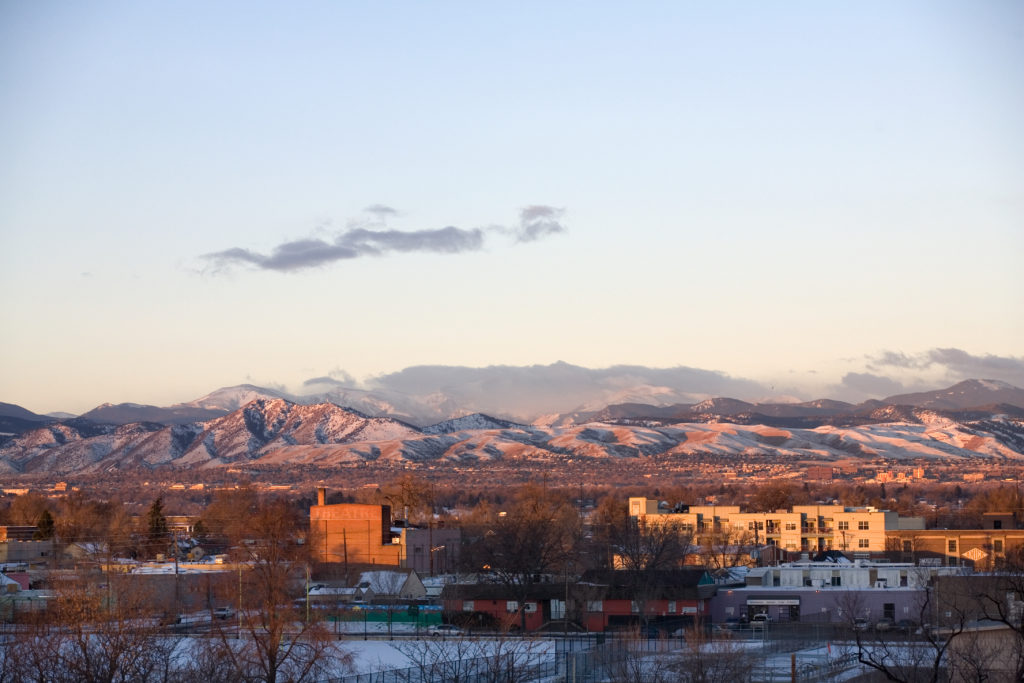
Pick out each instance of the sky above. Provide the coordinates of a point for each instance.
(823, 199)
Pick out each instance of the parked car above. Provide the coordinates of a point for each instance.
(885, 624)
(445, 630)
(223, 613)
(190, 619)
(760, 620)
(861, 624)
(906, 625)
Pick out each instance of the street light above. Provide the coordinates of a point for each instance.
(432, 551)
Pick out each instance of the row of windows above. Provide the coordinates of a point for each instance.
(510, 606)
(997, 546)
(862, 525)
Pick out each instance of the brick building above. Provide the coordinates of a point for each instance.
(355, 533)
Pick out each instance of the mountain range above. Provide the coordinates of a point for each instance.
(975, 418)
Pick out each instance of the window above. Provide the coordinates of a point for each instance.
(467, 605)
(889, 610)
(511, 605)
(837, 581)
(951, 546)
(863, 543)
(844, 526)
(671, 606)
(531, 607)
(790, 526)
(595, 605)
(863, 525)
(908, 547)
(997, 545)
(997, 524)
(634, 607)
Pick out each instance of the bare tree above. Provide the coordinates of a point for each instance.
(535, 537)
(91, 635)
(922, 660)
(276, 641)
(27, 508)
(999, 597)
(634, 658)
(410, 497)
(726, 548)
(645, 554)
(705, 660)
(983, 652)
(498, 660)
(449, 660)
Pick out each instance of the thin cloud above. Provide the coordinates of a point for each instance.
(535, 223)
(285, 257)
(381, 210)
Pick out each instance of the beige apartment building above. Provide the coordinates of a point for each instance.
(803, 528)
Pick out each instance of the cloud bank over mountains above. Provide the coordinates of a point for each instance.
(529, 392)
(372, 238)
(891, 372)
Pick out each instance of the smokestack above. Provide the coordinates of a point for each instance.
(321, 496)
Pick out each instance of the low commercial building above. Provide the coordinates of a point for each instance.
(829, 592)
(491, 605)
(666, 600)
(982, 549)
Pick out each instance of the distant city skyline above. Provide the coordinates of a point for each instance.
(804, 201)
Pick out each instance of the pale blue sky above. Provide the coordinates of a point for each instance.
(778, 192)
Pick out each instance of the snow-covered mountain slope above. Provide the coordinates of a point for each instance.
(476, 421)
(229, 399)
(248, 433)
(278, 432)
(964, 395)
(126, 413)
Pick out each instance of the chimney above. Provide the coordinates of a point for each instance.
(321, 496)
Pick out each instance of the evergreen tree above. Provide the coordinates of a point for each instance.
(157, 526)
(45, 526)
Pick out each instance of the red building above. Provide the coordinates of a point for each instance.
(599, 601)
(490, 605)
(665, 600)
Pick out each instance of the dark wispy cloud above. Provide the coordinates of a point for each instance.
(448, 240)
(535, 223)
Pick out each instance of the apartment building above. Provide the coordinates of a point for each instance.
(803, 528)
